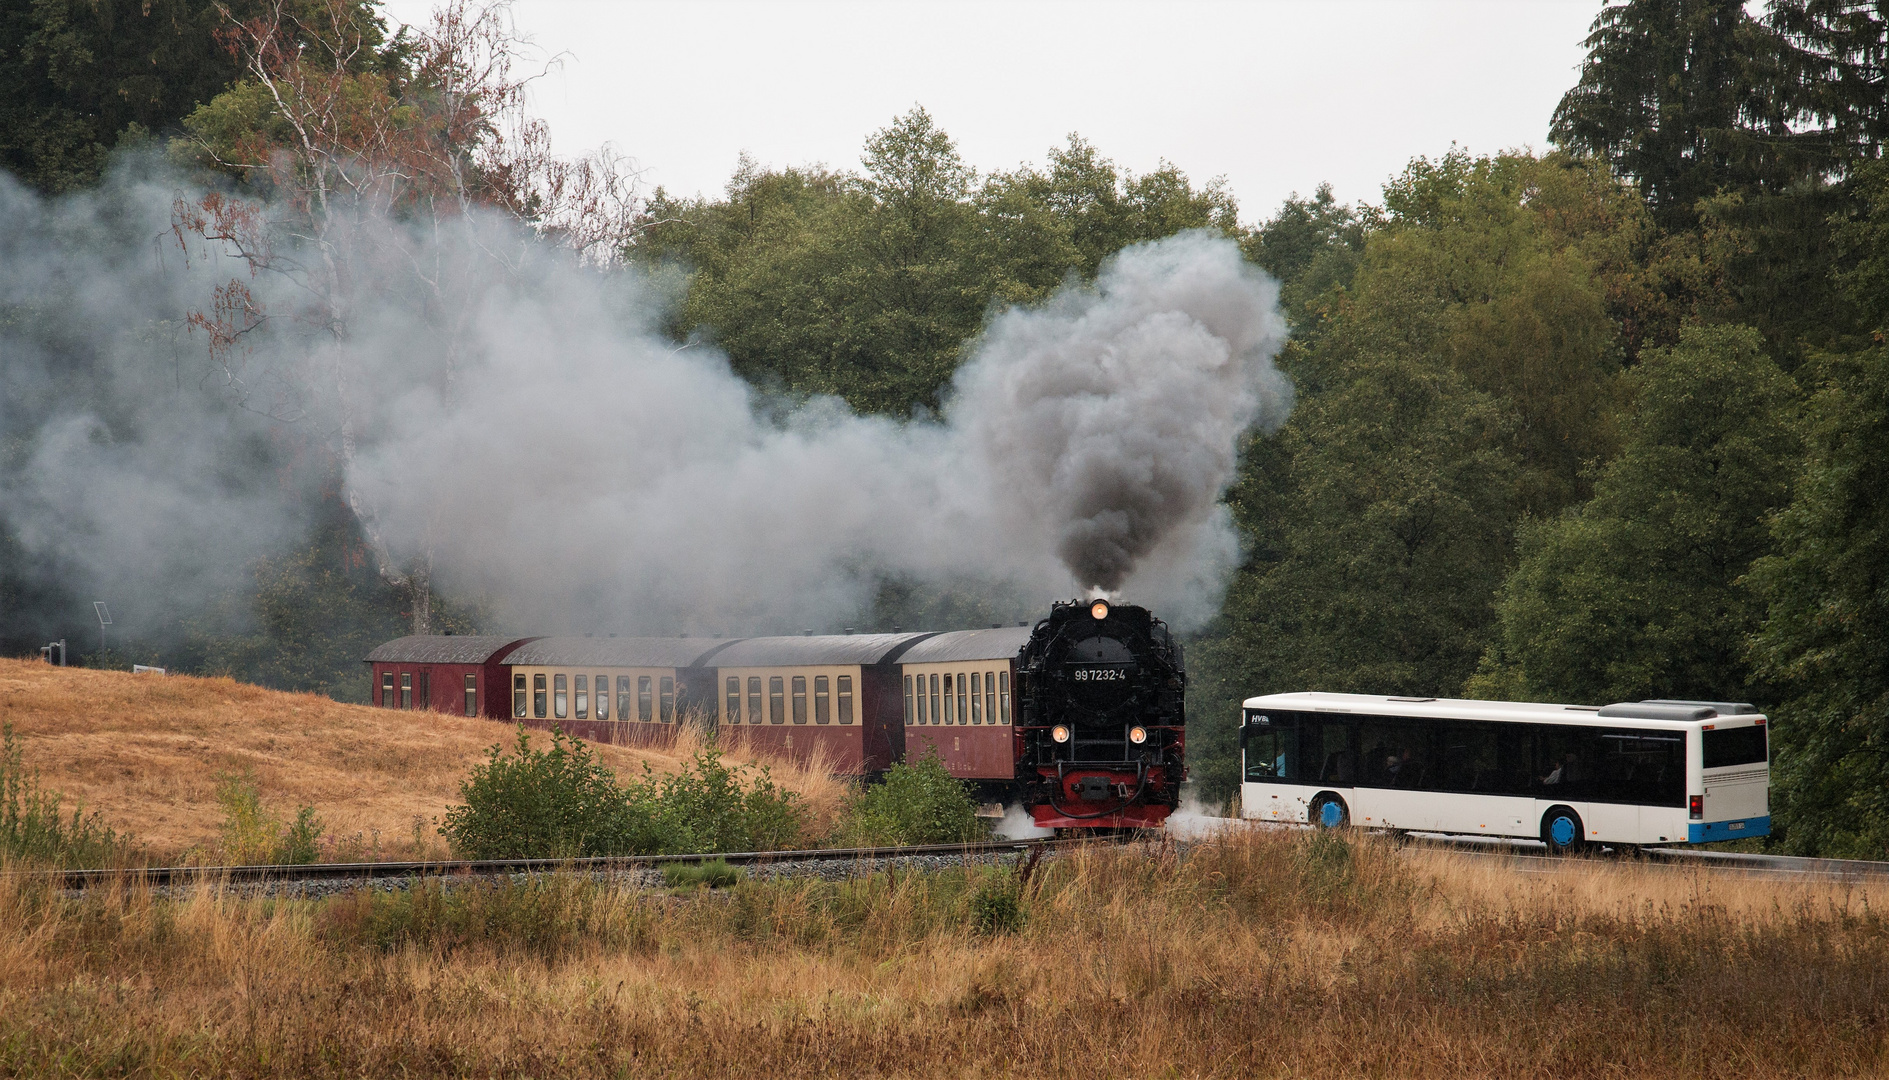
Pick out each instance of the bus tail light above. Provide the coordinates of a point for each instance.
(1695, 807)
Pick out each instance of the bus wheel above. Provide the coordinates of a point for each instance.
(1561, 830)
(1330, 812)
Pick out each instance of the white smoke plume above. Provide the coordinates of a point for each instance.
(590, 472)
(570, 466)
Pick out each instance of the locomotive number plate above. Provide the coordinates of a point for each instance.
(1099, 675)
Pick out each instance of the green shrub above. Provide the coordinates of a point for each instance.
(562, 803)
(252, 836)
(707, 806)
(557, 803)
(997, 902)
(919, 803)
(715, 874)
(32, 829)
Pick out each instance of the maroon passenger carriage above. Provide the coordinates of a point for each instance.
(1080, 717)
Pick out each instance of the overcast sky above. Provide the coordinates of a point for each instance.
(1274, 96)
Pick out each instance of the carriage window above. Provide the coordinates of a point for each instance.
(990, 697)
(668, 699)
(623, 698)
(846, 699)
(518, 695)
(645, 707)
(1003, 696)
(734, 699)
(754, 699)
(387, 690)
(560, 695)
(800, 699)
(603, 697)
(472, 695)
(537, 696)
(963, 696)
(936, 712)
(977, 697)
(822, 706)
(949, 699)
(910, 716)
(406, 690)
(776, 700)
(583, 697)
(426, 689)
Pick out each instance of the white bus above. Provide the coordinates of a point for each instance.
(1649, 772)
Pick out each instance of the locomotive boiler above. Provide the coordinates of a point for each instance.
(1101, 721)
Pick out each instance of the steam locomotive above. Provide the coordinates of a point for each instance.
(1101, 728)
(1079, 719)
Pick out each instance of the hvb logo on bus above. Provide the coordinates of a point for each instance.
(1099, 675)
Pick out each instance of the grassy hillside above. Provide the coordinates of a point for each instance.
(148, 751)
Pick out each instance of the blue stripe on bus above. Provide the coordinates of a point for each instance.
(1704, 832)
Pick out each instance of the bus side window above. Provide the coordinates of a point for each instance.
(846, 699)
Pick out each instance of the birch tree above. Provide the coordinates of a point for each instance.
(358, 155)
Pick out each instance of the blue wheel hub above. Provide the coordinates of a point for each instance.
(1331, 815)
(1562, 830)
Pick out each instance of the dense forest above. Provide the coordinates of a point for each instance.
(1603, 423)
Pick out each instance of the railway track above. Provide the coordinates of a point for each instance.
(354, 873)
(1524, 854)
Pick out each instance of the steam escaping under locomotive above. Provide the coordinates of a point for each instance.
(1080, 719)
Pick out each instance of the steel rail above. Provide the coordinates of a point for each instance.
(1720, 861)
(367, 871)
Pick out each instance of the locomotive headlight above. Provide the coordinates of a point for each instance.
(1099, 609)
(1060, 733)
(1137, 734)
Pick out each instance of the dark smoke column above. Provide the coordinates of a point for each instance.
(1110, 418)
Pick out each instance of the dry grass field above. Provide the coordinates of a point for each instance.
(1259, 954)
(148, 751)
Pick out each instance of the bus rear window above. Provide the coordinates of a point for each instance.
(1734, 746)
